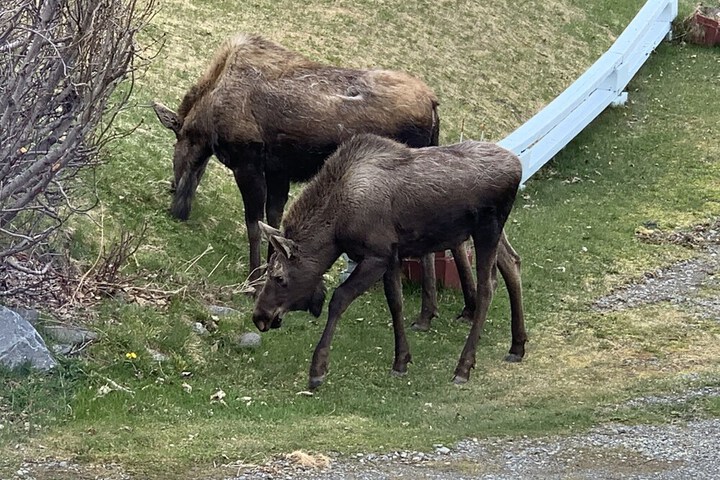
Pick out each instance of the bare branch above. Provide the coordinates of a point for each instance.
(60, 61)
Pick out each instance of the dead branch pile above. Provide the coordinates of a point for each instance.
(60, 62)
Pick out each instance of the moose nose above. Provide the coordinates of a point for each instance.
(261, 324)
(262, 320)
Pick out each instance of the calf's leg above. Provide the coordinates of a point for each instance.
(368, 271)
(393, 294)
(486, 245)
(428, 310)
(509, 264)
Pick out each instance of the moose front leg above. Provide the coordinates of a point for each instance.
(362, 278)
(251, 182)
(278, 188)
(393, 293)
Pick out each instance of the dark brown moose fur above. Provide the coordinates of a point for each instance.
(379, 202)
(272, 116)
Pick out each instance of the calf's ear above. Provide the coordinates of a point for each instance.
(268, 231)
(283, 245)
(167, 117)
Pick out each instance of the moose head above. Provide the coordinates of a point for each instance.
(292, 283)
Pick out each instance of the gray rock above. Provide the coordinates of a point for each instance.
(20, 343)
(157, 356)
(69, 335)
(249, 340)
(443, 451)
(28, 314)
(200, 329)
(221, 311)
(61, 349)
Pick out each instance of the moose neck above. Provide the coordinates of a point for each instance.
(317, 247)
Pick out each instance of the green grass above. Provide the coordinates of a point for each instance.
(574, 225)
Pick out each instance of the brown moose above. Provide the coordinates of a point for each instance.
(379, 201)
(273, 116)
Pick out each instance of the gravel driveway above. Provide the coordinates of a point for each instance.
(682, 451)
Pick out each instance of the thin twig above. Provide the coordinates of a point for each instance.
(97, 259)
(196, 259)
(217, 265)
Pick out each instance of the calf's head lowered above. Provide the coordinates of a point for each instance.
(287, 268)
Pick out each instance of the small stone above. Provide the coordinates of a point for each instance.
(69, 335)
(249, 340)
(157, 356)
(200, 329)
(443, 451)
(61, 349)
(221, 311)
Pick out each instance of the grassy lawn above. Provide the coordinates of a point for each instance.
(655, 160)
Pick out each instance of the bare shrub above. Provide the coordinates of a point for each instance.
(60, 62)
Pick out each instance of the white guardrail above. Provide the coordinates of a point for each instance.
(541, 137)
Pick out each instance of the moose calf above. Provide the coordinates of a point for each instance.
(380, 201)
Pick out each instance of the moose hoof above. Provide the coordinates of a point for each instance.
(465, 317)
(460, 380)
(420, 327)
(513, 358)
(397, 373)
(315, 382)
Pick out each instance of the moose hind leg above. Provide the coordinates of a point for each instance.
(467, 282)
(509, 264)
(428, 310)
(393, 294)
(486, 245)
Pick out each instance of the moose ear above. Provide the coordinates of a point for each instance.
(269, 231)
(277, 240)
(167, 117)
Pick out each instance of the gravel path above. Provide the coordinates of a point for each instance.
(664, 452)
(679, 451)
(680, 284)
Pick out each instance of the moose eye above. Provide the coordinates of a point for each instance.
(280, 279)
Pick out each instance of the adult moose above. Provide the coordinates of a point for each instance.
(379, 201)
(273, 116)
